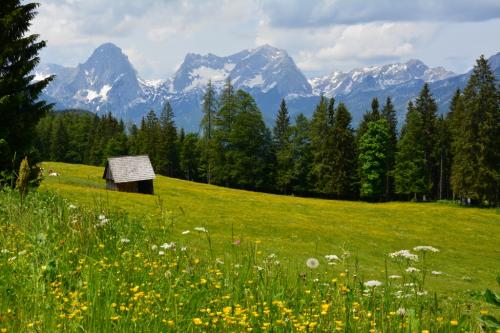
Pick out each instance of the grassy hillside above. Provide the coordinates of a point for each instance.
(298, 228)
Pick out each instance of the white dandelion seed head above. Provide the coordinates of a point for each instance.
(372, 283)
(312, 263)
(332, 257)
(425, 248)
(403, 254)
(412, 270)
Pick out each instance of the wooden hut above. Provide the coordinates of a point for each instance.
(129, 174)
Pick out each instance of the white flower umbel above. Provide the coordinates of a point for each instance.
(161, 253)
(372, 283)
(312, 263)
(201, 229)
(412, 270)
(403, 254)
(394, 277)
(401, 311)
(72, 206)
(168, 246)
(332, 257)
(425, 248)
(436, 273)
(125, 240)
(185, 232)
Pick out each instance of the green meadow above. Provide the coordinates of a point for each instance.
(75, 257)
(298, 228)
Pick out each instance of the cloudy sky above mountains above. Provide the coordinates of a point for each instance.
(321, 36)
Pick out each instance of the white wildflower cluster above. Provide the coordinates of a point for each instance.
(425, 248)
(372, 284)
(401, 312)
(201, 229)
(272, 259)
(71, 206)
(102, 221)
(125, 240)
(403, 254)
(185, 232)
(168, 246)
(394, 277)
(332, 259)
(436, 273)
(412, 270)
(219, 261)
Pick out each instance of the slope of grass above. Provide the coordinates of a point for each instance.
(298, 228)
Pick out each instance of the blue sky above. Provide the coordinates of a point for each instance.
(321, 35)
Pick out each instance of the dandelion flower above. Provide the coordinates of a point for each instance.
(312, 263)
(373, 283)
(425, 248)
(412, 270)
(197, 321)
(453, 322)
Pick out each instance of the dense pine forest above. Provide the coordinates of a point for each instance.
(432, 157)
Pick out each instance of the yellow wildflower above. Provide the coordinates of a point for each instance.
(197, 321)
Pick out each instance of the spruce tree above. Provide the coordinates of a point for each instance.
(320, 131)
(301, 155)
(282, 149)
(344, 170)
(248, 153)
(373, 159)
(389, 114)
(427, 107)
(20, 106)
(476, 132)
(208, 128)
(409, 173)
(168, 159)
(190, 157)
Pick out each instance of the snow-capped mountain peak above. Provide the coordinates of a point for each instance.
(377, 77)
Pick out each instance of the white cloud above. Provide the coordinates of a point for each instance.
(321, 36)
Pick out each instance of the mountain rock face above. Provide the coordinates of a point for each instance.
(107, 82)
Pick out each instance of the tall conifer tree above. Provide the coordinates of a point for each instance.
(476, 128)
(20, 107)
(282, 148)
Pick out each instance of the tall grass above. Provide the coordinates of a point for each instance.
(89, 269)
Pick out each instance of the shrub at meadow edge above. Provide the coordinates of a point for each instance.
(69, 268)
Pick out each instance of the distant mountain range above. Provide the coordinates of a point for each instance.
(107, 82)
